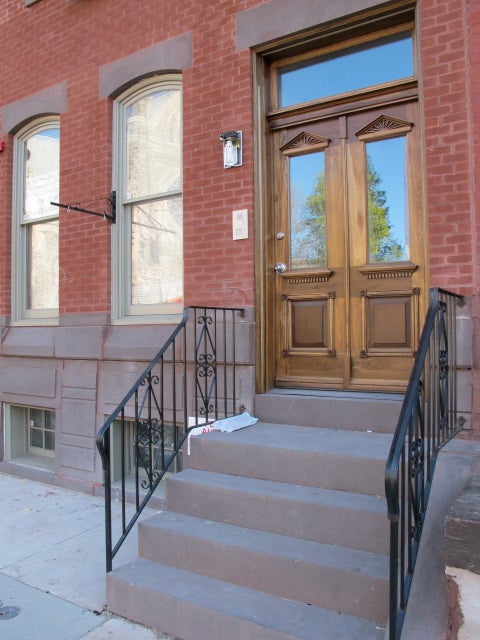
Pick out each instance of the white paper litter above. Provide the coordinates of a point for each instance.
(227, 425)
(198, 430)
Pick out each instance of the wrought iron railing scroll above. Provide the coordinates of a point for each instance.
(194, 375)
(428, 420)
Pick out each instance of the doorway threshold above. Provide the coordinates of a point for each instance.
(333, 409)
(337, 393)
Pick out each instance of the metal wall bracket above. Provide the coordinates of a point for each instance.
(112, 216)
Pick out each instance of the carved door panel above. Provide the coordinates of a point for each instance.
(348, 250)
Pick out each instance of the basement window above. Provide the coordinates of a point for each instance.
(141, 447)
(30, 436)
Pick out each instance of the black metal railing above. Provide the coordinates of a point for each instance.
(192, 379)
(428, 420)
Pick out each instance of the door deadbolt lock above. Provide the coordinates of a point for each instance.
(280, 267)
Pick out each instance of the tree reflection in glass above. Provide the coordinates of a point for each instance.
(308, 215)
(387, 201)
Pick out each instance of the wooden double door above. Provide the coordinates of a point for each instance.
(347, 255)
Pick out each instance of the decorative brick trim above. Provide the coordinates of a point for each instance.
(280, 18)
(50, 100)
(175, 54)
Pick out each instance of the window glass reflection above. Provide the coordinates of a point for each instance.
(43, 265)
(36, 438)
(157, 252)
(50, 440)
(355, 68)
(308, 215)
(153, 144)
(42, 166)
(387, 197)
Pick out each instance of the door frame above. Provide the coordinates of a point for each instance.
(263, 62)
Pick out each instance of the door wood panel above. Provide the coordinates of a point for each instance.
(347, 300)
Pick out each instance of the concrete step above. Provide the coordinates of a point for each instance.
(352, 411)
(195, 607)
(346, 580)
(328, 458)
(346, 519)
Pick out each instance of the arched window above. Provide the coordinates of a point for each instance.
(35, 220)
(147, 176)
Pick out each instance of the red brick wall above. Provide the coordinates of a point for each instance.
(450, 51)
(473, 22)
(473, 95)
(444, 86)
(473, 43)
(54, 40)
(217, 97)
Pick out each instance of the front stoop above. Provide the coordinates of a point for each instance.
(275, 532)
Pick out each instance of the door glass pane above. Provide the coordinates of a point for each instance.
(308, 215)
(157, 252)
(387, 200)
(43, 265)
(42, 165)
(153, 144)
(355, 68)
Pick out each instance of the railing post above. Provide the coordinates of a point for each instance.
(394, 579)
(108, 502)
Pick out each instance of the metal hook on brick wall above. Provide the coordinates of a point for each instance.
(106, 216)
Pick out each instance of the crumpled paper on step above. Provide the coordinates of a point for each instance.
(226, 425)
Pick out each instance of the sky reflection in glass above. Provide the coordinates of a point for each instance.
(363, 66)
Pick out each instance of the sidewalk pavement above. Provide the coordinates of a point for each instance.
(52, 566)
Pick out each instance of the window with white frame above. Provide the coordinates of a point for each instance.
(35, 221)
(41, 431)
(29, 435)
(147, 275)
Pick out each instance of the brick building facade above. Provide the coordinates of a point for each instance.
(78, 62)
